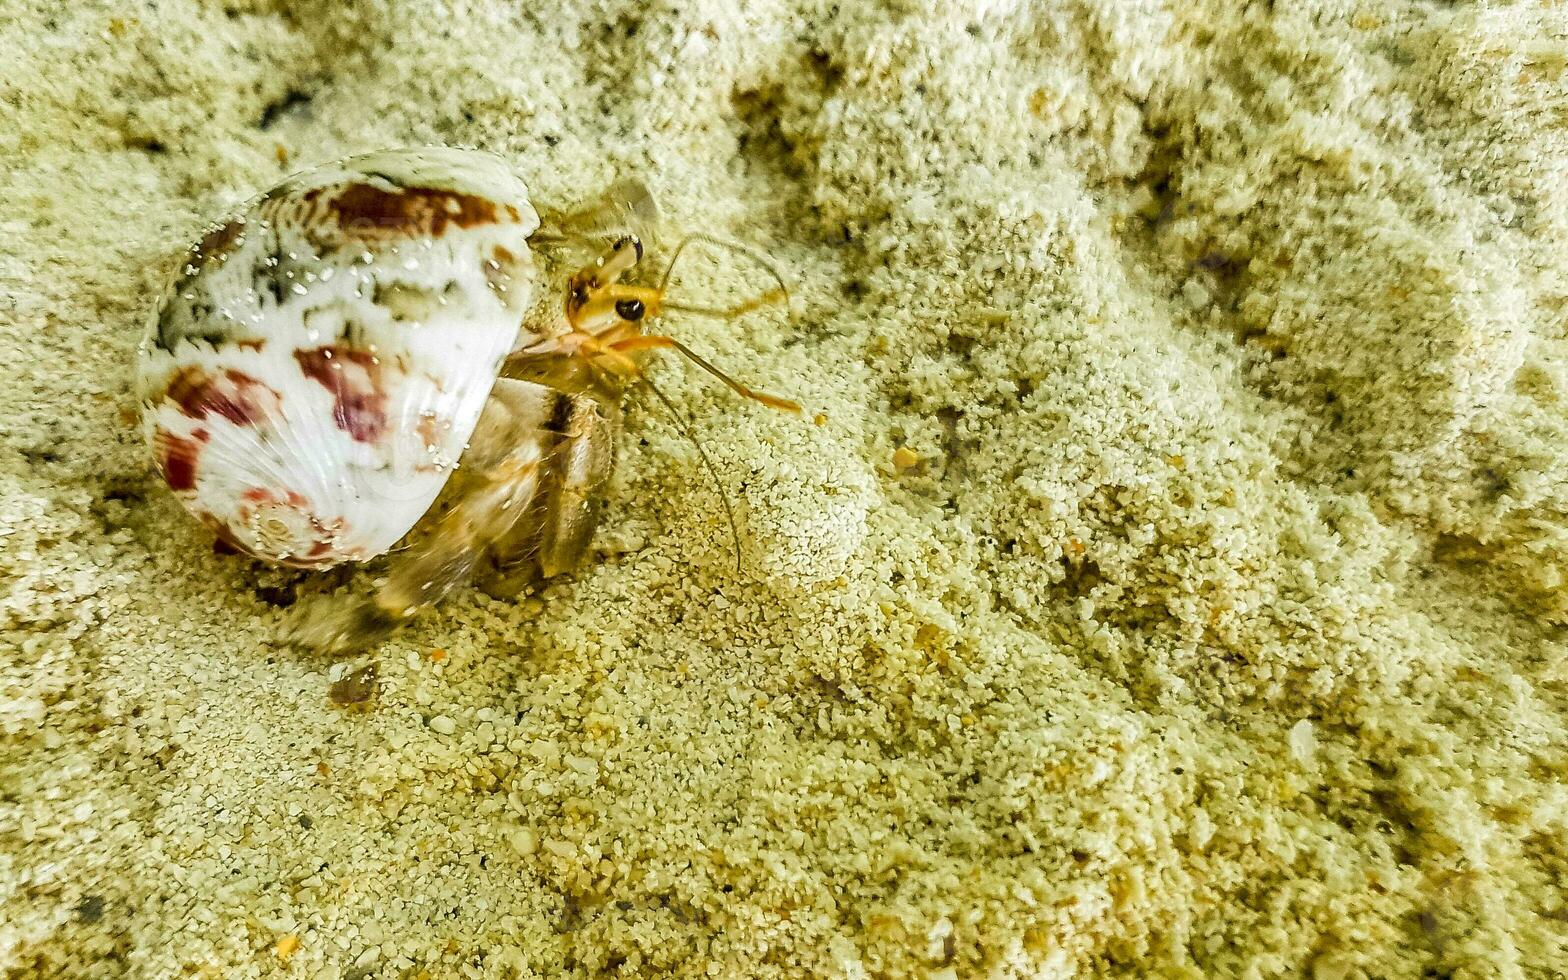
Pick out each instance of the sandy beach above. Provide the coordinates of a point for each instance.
(1166, 577)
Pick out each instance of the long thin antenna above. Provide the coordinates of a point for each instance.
(724, 499)
(729, 312)
(753, 255)
(646, 341)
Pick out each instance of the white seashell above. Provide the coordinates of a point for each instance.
(314, 373)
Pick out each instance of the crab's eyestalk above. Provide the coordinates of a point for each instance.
(599, 305)
(609, 267)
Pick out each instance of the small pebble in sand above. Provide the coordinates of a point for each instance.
(524, 841)
(286, 947)
(356, 689)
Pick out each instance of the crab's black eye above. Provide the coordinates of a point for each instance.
(630, 309)
(633, 241)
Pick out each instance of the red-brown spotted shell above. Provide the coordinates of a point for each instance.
(317, 367)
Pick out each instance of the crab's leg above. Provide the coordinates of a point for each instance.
(584, 459)
(501, 477)
(556, 533)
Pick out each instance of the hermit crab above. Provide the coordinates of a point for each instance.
(393, 353)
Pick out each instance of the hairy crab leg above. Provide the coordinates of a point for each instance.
(582, 463)
(556, 533)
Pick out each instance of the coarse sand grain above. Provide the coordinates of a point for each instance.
(1173, 586)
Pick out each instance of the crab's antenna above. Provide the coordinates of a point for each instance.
(654, 341)
(707, 463)
(737, 247)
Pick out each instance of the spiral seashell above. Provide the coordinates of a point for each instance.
(312, 377)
